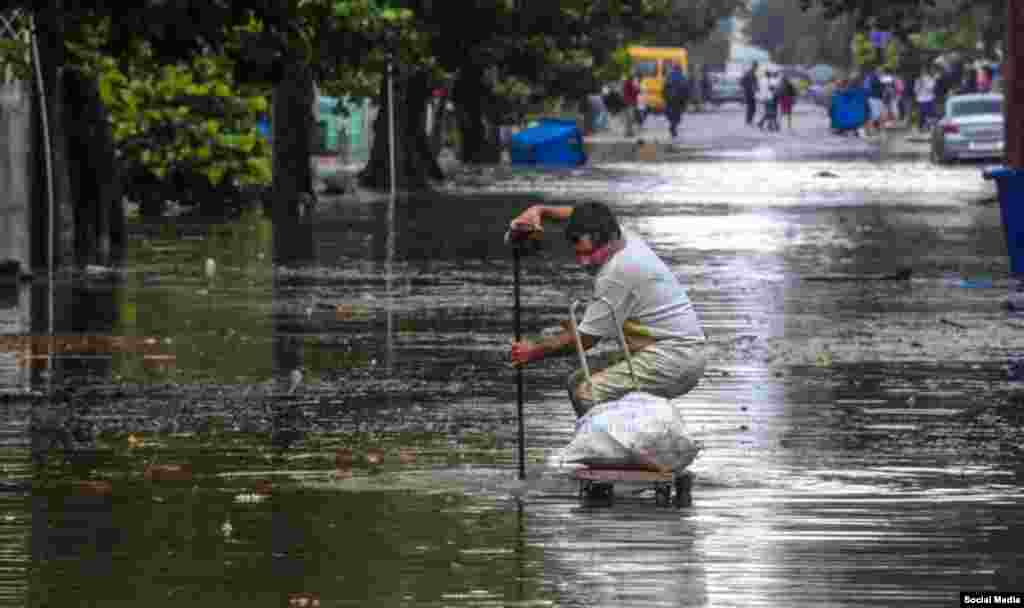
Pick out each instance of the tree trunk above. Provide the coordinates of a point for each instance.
(94, 177)
(292, 142)
(468, 94)
(50, 30)
(415, 163)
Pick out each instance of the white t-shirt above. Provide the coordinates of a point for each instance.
(647, 297)
(925, 89)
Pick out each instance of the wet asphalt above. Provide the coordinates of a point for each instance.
(329, 416)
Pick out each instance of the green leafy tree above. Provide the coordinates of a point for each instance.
(186, 130)
(297, 42)
(926, 29)
(518, 55)
(865, 55)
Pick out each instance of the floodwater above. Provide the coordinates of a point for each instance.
(329, 417)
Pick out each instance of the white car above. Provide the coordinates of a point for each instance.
(971, 128)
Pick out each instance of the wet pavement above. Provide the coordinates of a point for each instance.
(329, 417)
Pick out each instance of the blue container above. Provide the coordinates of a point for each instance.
(1010, 183)
(849, 109)
(553, 142)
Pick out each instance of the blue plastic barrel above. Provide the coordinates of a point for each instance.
(1010, 184)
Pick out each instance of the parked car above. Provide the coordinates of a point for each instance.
(725, 87)
(972, 127)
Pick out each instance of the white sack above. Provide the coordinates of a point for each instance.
(638, 429)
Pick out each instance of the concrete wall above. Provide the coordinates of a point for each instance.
(15, 171)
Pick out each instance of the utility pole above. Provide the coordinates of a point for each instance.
(1013, 84)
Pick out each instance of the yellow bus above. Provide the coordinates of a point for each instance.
(653, 65)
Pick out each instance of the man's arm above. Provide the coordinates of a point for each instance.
(564, 343)
(561, 344)
(536, 214)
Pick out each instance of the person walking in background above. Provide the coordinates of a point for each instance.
(787, 99)
(942, 88)
(630, 97)
(873, 86)
(985, 79)
(705, 85)
(768, 96)
(696, 99)
(924, 94)
(900, 86)
(677, 93)
(889, 111)
(970, 83)
(750, 88)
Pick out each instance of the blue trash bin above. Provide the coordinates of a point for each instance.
(1010, 184)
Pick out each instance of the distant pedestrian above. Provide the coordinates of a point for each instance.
(705, 85)
(750, 87)
(875, 92)
(942, 88)
(787, 99)
(641, 104)
(677, 94)
(630, 97)
(970, 83)
(768, 95)
(900, 86)
(889, 100)
(985, 79)
(598, 111)
(924, 94)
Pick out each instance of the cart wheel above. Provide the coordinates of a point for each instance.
(598, 491)
(684, 486)
(663, 494)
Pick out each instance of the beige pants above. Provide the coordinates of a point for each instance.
(666, 368)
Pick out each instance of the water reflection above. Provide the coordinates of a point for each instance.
(389, 350)
(15, 320)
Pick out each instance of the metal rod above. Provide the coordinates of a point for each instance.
(622, 342)
(519, 370)
(620, 334)
(579, 342)
(391, 125)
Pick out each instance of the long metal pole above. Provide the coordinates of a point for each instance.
(519, 370)
(391, 124)
(391, 218)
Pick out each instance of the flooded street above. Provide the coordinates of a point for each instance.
(328, 414)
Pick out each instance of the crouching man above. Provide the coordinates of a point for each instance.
(661, 327)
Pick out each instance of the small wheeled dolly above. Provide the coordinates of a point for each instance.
(599, 484)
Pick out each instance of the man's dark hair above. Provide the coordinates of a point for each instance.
(595, 219)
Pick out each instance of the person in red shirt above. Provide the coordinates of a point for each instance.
(631, 96)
